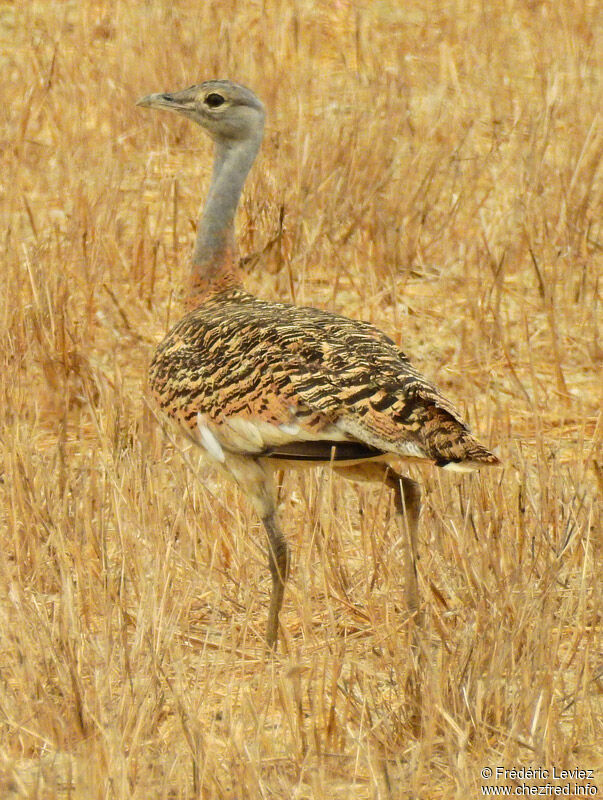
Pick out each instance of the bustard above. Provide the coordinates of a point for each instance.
(261, 385)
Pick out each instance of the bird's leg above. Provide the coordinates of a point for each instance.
(256, 478)
(408, 508)
(407, 495)
(278, 560)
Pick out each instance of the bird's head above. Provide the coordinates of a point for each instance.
(227, 111)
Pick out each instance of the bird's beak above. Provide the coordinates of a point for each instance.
(183, 101)
(157, 101)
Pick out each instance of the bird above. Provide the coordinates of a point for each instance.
(261, 385)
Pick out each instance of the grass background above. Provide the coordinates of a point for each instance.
(433, 167)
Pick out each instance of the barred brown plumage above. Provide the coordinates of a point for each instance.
(260, 384)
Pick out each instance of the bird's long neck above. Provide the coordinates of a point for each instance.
(214, 261)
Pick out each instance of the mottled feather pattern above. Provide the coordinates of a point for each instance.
(324, 376)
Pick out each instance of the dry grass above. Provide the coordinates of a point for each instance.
(437, 166)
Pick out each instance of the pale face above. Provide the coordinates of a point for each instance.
(225, 110)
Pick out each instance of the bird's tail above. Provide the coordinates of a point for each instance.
(451, 445)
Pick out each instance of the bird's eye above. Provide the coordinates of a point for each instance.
(214, 100)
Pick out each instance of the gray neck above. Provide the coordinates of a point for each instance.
(215, 235)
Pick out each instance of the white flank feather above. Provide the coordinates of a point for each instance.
(209, 441)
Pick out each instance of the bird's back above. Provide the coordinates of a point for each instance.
(284, 377)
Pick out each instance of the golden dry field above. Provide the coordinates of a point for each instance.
(433, 167)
